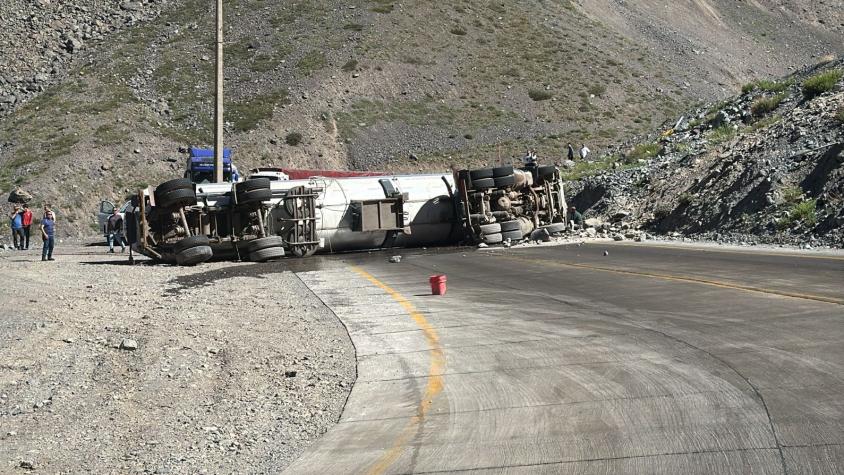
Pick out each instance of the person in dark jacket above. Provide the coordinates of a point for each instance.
(48, 233)
(575, 216)
(571, 152)
(114, 228)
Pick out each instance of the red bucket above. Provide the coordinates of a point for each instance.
(437, 284)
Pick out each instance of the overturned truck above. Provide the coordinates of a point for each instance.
(260, 220)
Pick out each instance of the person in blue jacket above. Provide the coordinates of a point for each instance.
(48, 233)
(16, 223)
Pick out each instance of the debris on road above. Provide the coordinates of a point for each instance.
(395, 259)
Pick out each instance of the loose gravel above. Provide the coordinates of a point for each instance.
(113, 368)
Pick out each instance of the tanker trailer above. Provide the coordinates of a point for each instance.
(261, 220)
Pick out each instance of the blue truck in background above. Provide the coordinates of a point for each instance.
(200, 166)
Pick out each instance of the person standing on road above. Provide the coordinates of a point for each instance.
(571, 152)
(16, 223)
(48, 233)
(114, 227)
(26, 220)
(584, 151)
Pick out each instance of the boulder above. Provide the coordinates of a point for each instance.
(18, 195)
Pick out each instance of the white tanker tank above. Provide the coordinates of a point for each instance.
(260, 219)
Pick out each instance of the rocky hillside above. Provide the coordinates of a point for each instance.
(766, 166)
(97, 97)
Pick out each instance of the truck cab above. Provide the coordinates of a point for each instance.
(200, 166)
(270, 173)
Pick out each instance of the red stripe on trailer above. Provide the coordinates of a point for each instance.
(298, 174)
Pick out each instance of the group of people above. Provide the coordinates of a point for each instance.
(531, 158)
(584, 152)
(20, 220)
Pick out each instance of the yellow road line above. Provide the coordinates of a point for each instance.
(435, 371)
(689, 247)
(688, 279)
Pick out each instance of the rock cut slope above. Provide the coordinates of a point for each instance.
(766, 166)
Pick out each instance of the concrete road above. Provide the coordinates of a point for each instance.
(563, 360)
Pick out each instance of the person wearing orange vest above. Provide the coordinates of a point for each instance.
(26, 220)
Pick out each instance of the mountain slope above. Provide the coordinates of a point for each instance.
(369, 84)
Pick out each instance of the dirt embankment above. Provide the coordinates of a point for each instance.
(110, 368)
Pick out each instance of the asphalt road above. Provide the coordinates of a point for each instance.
(564, 360)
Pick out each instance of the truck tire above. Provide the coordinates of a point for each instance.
(252, 184)
(513, 235)
(483, 183)
(176, 198)
(493, 238)
(189, 242)
(254, 196)
(480, 173)
(554, 228)
(502, 171)
(504, 181)
(493, 228)
(513, 225)
(264, 255)
(546, 171)
(194, 256)
(264, 243)
(173, 185)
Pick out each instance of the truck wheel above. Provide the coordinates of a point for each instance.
(480, 174)
(173, 185)
(490, 228)
(546, 171)
(194, 256)
(252, 184)
(504, 181)
(175, 198)
(264, 255)
(554, 228)
(511, 226)
(189, 242)
(264, 243)
(483, 183)
(493, 238)
(254, 196)
(513, 235)
(502, 171)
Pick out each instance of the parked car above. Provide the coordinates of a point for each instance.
(106, 209)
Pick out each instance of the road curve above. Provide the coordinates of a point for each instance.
(566, 360)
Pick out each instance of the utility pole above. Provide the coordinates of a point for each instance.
(218, 96)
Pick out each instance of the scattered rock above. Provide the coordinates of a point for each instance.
(395, 259)
(128, 344)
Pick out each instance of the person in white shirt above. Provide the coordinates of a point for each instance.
(584, 151)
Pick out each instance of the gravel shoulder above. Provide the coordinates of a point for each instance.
(237, 367)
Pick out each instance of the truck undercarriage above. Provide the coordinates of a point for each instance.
(259, 220)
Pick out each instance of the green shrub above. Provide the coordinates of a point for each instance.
(642, 152)
(805, 211)
(821, 83)
(722, 134)
(839, 116)
(540, 94)
(766, 85)
(792, 195)
(764, 105)
(293, 139)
